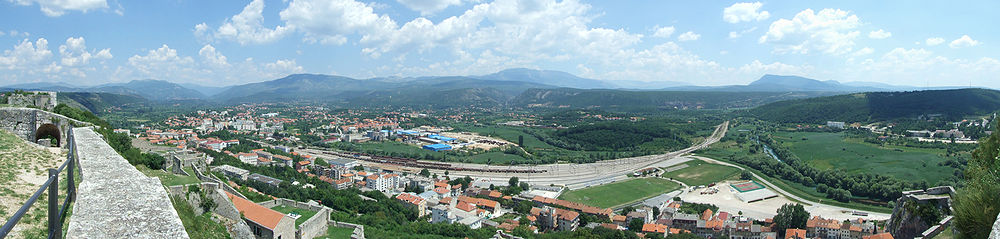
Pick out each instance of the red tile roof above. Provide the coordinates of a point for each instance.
(655, 228)
(479, 201)
(792, 233)
(885, 235)
(465, 206)
(256, 213)
(409, 198)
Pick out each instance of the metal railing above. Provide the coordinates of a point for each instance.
(56, 212)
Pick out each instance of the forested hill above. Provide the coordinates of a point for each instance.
(646, 100)
(864, 107)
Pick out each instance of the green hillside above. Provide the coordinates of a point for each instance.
(625, 100)
(864, 107)
(96, 102)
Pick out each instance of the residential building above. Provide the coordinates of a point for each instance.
(247, 158)
(412, 201)
(556, 219)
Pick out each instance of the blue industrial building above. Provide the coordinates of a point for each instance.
(437, 147)
(442, 138)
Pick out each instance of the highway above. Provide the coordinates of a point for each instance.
(574, 176)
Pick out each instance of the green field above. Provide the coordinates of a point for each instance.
(306, 214)
(700, 172)
(619, 193)
(832, 151)
(337, 233)
(169, 179)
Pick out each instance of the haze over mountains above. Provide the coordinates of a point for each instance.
(501, 86)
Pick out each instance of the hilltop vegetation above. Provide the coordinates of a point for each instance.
(621, 136)
(975, 206)
(624, 100)
(866, 107)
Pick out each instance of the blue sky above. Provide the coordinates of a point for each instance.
(87, 42)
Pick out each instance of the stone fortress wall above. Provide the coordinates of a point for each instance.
(32, 124)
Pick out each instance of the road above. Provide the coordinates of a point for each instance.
(810, 205)
(574, 176)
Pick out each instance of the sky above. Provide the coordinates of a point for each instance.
(217, 43)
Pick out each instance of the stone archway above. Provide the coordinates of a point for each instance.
(49, 130)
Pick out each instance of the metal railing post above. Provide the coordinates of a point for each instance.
(71, 156)
(55, 228)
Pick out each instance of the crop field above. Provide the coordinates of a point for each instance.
(832, 151)
(699, 172)
(615, 194)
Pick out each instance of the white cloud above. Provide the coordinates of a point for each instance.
(880, 34)
(919, 67)
(863, 51)
(688, 36)
(934, 41)
(55, 8)
(744, 12)
(283, 66)
(26, 55)
(664, 32)
(964, 41)
(329, 22)
(163, 63)
(212, 57)
(247, 27)
(211, 67)
(427, 7)
(830, 31)
(74, 53)
(734, 35)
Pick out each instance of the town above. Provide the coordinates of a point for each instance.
(512, 207)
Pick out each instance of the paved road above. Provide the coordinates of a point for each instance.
(808, 203)
(573, 176)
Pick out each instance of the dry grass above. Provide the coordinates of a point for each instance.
(23, 169)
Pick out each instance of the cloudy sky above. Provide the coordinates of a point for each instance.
(86, 42)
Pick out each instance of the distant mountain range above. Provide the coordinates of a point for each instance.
(147, 89)
(519, 85)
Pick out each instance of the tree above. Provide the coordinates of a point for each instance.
(627, 209)
(790, 216)
(359, 168)
(512, 182)
(523, 207)
(746, 175)
(425, 172)
(520, 140)
(656, 212)
(635, 224)
(975, 204)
